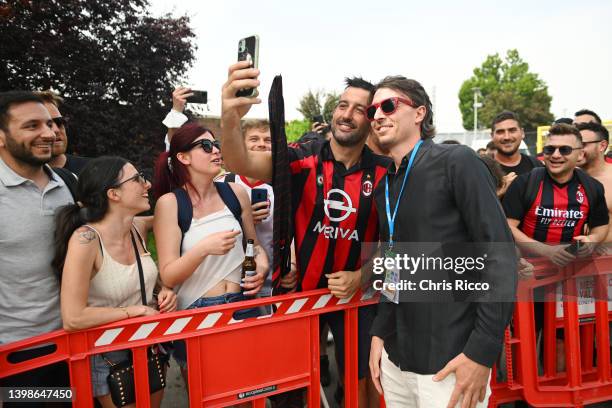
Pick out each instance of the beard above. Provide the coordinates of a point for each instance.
(21, 153)
(351, 139)
(508, 153)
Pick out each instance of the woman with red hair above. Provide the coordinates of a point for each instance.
(204, 265)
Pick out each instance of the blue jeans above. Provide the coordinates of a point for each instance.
(180, 350)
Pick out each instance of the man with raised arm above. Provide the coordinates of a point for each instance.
(332, 186)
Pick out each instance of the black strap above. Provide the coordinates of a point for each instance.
(184, 207)
(69, 179)
(230, 178)
(143, 293)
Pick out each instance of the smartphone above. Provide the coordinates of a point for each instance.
(318, 119)
(573, 248)
(198, 97)
(248, 50)
(259, 195)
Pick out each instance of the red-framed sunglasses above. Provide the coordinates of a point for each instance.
(388, 106)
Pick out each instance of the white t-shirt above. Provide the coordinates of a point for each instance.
(264, 228)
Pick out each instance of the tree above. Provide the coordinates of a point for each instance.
(318, 103)
(295, 129)
(114, 64)
(506, 85)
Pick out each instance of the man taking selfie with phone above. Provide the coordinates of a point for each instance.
(332, 184)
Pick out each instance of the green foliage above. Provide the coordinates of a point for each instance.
(318, 103)
(114, 64)
(506, 84)
(295, 129)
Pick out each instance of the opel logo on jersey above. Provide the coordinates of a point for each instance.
(366, 188)
(345, 205)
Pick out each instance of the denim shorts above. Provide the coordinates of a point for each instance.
(180, 351)
(100, 369)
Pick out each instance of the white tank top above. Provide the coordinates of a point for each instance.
(118, 285)
(214, 268)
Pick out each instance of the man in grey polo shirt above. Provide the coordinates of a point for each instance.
(29, 195)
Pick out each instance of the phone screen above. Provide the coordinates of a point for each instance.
(198, 97)
(248, 50)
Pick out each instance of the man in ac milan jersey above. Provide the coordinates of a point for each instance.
(562, 208)
(567, 201)
(332, 185)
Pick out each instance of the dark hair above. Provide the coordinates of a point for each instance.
(567, 121)
(562, 129)
(97, 177)
(358, 82)
(495, 169)
(415, 91)
(505, 115)
(451, 142)
(588, 112)
(10, 98)
(596, 128)
(170, 173)
(491, 145)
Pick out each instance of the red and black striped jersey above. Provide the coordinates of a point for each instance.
(333, 209)
(559, 212)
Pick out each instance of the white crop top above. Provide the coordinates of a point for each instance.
(118, 285)
(214, 268)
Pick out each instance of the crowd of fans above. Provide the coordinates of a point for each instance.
(73, 245)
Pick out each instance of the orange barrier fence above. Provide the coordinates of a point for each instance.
(533, 376)
(229, 361)
(233, 361)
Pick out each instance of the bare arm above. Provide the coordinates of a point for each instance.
(526, 243)
(236, 157)
(78, 270)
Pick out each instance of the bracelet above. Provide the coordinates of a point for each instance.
(126, 312)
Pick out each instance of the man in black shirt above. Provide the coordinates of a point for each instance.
(448, 198)
(59, 156)
(507, 134)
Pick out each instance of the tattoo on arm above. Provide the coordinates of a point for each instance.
(86, 237)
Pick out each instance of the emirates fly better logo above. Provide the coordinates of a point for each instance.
(338, 206)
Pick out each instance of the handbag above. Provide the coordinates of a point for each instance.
(121, 377)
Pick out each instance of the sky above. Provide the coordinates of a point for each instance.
(314, 45)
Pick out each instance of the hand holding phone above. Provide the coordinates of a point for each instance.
(248, 50)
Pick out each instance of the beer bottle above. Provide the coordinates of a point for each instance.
(249, 265)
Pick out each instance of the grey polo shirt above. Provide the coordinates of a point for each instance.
(29, 291)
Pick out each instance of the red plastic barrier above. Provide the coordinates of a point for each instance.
(229, 361)
(587, 377)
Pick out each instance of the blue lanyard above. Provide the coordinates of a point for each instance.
(391, 218)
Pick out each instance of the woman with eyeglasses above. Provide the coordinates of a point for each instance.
(205, 264)
(96, 241)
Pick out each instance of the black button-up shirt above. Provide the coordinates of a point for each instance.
(449, 197)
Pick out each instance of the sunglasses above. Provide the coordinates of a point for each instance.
(206, 145)
(564, 150)
(140, 177)
(60, 121)
(387, 106)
